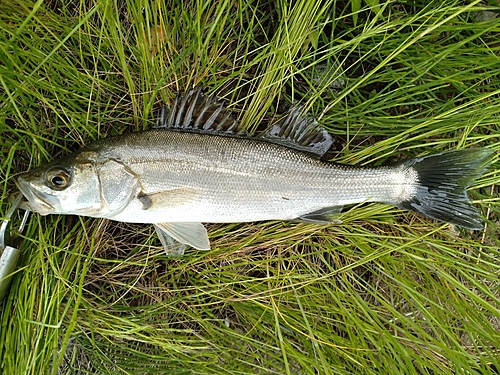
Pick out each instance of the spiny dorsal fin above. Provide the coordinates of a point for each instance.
(193, 111)
(299, 131)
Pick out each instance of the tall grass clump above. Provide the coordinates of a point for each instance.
(384, 292)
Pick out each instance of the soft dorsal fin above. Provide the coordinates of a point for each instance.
(299, 131)
(193, 111)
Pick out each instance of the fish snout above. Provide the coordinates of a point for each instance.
(38, 201)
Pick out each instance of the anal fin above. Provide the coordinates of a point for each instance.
(323, 216)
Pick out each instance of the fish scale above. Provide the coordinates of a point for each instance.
(252, 180)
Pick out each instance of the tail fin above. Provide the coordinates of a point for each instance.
(443, 180)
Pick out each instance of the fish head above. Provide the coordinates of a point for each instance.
(67, 186)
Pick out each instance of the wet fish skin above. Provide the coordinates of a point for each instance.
(179, 178)
(187, 177)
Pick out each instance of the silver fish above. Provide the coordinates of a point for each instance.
(195, 166)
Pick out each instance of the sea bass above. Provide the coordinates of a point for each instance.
(196, 166)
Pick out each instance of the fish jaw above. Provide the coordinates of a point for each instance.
(38, 201)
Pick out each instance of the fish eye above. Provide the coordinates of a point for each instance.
(58, 178)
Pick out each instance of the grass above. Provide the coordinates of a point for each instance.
(386, 291)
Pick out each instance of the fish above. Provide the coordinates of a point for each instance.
(196, 165)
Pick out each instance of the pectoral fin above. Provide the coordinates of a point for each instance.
(323, 216)
(192, 234)
(168, 198)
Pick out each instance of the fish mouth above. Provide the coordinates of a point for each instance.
(37, 200)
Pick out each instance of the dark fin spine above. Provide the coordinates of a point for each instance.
(443, 180)
(191, 109)
(173, 113)
(162, 117)
(211, 122)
